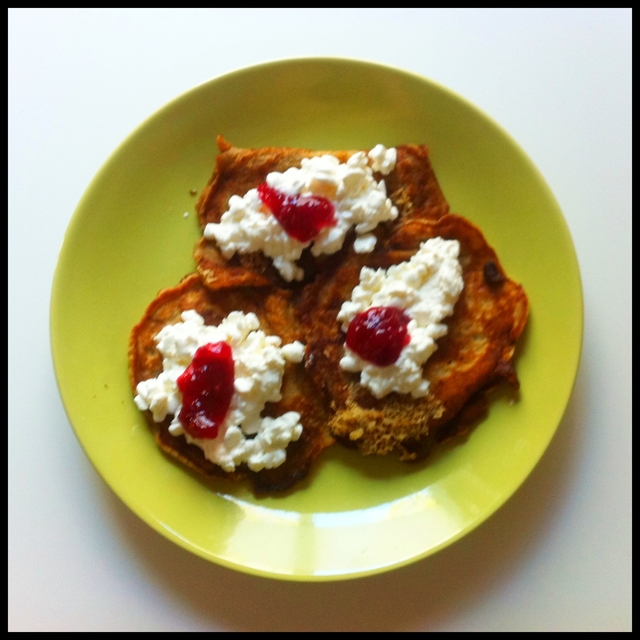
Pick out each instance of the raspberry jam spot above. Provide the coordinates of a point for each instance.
(379, 334)
(302, 217)
(207, 389)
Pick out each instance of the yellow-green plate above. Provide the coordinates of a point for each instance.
(129, 237)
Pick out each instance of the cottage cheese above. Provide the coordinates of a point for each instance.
(383, 159)
(359, 201)
(259, 366)
(426, 288)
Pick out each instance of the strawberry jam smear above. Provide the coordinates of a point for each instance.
(207, 389)
(302, 217)
(379, 334)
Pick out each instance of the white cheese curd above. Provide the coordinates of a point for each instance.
(426, 288)
(259, 362)
(383, 159)
(248, 225)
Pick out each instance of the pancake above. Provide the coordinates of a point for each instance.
(475, 354)
(277, 317)
(411, 185)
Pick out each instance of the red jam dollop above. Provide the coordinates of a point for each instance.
(379, 334)
(207, 389)
(302, 217)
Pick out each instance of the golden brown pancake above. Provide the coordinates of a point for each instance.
(277, 317)
(476, 353)
(412, 186)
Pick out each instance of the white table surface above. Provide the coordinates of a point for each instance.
(557, 556)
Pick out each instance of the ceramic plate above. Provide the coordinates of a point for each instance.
(130, 236)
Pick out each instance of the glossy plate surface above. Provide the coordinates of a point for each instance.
(129, 238)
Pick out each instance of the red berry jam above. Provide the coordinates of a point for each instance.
(302, 217)
(379, 334)
(207, 389)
